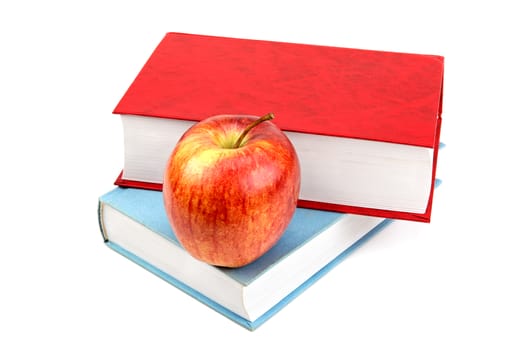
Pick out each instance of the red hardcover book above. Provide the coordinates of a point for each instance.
(366, 124)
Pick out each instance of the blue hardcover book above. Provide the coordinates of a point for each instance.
(133, 223)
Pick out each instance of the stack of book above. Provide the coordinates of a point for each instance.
(365, 125)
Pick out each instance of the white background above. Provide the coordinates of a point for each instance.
(454, 283)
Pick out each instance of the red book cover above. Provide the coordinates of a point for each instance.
(362, 94)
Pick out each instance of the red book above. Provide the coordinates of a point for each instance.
(366, 124)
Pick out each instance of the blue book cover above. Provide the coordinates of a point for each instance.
(133, 223)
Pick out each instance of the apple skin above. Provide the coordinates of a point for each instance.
(228, 206)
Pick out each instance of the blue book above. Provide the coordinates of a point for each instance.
(133, 223)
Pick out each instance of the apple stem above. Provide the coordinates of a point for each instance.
(268, 116)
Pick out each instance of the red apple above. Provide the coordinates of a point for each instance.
(230, 188)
